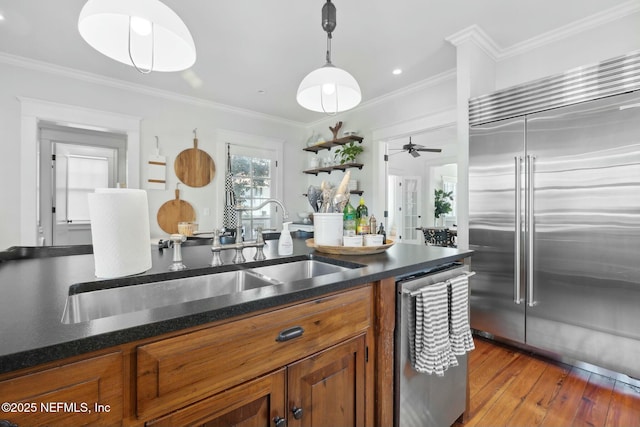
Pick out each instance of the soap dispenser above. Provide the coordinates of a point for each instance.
(285, 243)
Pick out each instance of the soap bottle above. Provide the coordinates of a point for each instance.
(285, 242)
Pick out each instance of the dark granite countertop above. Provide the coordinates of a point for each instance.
(33, 293)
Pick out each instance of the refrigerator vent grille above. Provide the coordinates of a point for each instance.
(611, 77)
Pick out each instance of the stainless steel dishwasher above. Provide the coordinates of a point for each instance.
(423, 400)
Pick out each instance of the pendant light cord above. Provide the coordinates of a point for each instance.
(328, 58)
(140, 69)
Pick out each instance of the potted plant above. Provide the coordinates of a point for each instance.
(442, 203)
(347, 153)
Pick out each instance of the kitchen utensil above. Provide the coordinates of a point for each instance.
(193, 166)
(173, 212)
(313, 195)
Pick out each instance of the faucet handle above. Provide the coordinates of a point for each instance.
(259, 235)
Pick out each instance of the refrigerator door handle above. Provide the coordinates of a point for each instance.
(518, 230)
(531, 230)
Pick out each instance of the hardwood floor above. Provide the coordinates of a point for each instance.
(513, 388)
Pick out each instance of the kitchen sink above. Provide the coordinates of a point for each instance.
(97, 304)
(85, 305)
(298, 270)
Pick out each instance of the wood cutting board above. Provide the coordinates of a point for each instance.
(194, 167)
(173, 212)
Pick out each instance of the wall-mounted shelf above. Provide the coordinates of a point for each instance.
(358, 192)
(330, 169)
(329, 144)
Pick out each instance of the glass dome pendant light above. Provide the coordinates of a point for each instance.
(145, 34)
(329, 89)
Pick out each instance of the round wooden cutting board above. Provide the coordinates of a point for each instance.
(194, 167)
(173, 212)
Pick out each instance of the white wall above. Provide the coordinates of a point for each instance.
(170, 119)
(407, 106)
(173, 121)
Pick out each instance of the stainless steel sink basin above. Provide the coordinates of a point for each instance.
(298, 270)
(92, 305)
(114, 301)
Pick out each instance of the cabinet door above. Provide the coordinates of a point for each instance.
(253, 404)
(328, 388)
(83, 393)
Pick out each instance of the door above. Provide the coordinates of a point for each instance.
(585, 279)
(73, 163)
(257, 403)
(405, 204)
(328, 388)
(495, 227)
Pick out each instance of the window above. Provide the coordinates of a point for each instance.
(255, 180)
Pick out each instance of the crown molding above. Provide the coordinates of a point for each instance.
(593, 21)
(423, 84)
(479, 37)
(46, 67)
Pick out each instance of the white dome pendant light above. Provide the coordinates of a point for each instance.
(145, 34)
(329, 89)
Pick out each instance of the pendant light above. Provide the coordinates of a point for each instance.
(145, 34)
(329, 89)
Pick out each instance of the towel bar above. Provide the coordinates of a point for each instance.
(417, 291)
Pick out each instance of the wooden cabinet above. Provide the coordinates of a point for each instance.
(325, 389)
(175, 372)
(256, 403)
(328, 388)
(89, 392)
(304, 364)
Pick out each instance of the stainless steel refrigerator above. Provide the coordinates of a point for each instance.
(554, 219)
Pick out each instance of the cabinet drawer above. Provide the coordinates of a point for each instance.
(88, 392)
(181, 370)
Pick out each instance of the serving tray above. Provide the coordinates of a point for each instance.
(350, 250)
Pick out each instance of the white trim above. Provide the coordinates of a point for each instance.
(423, 84)
(250, 140)
(479, 37)
(490, 47)
(34, 110)
(573, 28)
(380, 136)
(46, 67)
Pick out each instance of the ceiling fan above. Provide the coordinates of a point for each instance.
(414, 149)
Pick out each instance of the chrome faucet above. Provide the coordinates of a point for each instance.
(239, 245)
(239, 209)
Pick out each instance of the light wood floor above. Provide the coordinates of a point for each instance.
(513, 388)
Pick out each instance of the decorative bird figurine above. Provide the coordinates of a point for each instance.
(335, 130)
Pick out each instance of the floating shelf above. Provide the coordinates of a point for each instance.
(358, 192)
(329, 144)
(330, 169)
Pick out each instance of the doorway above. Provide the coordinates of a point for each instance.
(412, 181)
(73, 163)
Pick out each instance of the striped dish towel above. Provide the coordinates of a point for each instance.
(459, 329)
(429, 346)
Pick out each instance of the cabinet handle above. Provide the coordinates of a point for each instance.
(297, 412)
(280, 422)
(289, 334)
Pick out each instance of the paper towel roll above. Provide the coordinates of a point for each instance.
(120, 231)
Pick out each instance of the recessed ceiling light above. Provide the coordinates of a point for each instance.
(397, 71)
(1, 17)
